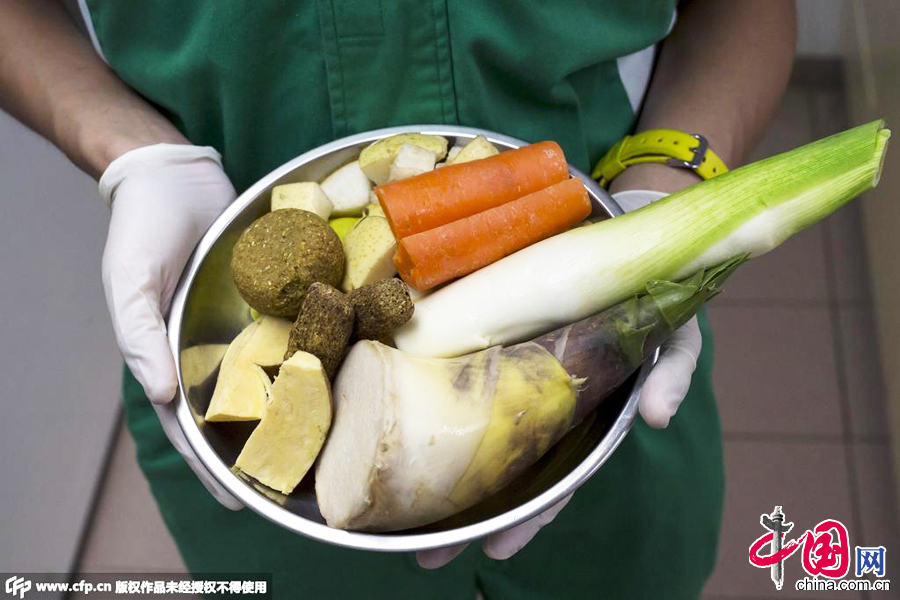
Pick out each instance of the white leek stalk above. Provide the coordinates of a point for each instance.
(585, 270)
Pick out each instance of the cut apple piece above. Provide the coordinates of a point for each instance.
(373, 210)
(376, 160)
(369, 248)
(305, 196)
(242, 388)
(342, 225)
(451, 154)
(477, 149)
(373, 207)
(348, 189)
(290, 435)
(411, 161)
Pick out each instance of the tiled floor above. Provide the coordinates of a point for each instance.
(797, 380)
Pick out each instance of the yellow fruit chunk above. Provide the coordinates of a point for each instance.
(348, 189)
(411, 160)
(376, 160)
(287, 441)
(307, 196)
(243, 385)
(478, 148)
(369, 248)
(373, 207)
(342, 225)
(452, 152)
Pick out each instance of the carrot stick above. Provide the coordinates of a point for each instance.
(454, 192)
(432, 257)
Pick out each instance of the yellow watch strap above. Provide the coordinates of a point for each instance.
(667, 146)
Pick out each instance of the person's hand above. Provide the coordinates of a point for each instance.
(163, 198)
(665, 388)
(498, 546)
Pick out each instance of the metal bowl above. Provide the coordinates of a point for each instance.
(207, 309)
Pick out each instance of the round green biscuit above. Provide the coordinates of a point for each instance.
(280, 255)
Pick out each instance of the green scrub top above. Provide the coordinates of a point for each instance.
(263, 82)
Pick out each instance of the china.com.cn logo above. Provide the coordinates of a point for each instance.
(17, 586)
(825, 550)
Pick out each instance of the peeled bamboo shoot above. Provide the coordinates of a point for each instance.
(243, 386)
(417, 439)
(287, 440)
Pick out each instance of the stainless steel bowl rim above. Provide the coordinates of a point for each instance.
(385, 542)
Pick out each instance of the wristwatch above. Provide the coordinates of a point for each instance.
(666, 146)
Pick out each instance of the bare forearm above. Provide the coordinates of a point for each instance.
(52, 80)
(721, 73)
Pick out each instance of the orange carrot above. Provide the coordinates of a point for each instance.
(454, 192)
(432, 257)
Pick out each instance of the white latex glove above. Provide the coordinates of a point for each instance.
(163, 198)
(663, 391)
(498, 546)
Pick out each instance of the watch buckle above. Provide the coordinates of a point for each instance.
(699, 155)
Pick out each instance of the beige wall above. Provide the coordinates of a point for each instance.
(58, 361)
(818, 26)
